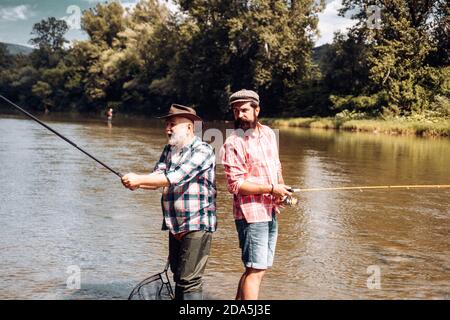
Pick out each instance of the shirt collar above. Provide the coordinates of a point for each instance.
(257, 132)
(194, 141)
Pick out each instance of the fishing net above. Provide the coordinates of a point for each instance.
(155, 287)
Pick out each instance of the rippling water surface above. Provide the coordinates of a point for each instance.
(59, 209)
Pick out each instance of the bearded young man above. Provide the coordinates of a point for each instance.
(254, 177)
(186, 171)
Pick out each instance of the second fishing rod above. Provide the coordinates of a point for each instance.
(293, 201)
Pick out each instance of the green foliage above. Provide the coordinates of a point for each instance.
(345, 65)
(440, 31)
(43, 91)
(396, 58)
(369, 105)
(49, 34)
(261, 45)
(140, 61)
(397, 66)
(5, 57)
(103, 23)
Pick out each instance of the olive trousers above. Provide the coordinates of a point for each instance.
(188, 257)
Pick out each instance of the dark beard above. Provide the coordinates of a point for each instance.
(245, 125)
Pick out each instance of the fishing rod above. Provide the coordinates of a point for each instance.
(59, 135)
(293, 201)
(361, 188)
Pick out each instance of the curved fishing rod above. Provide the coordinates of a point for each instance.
(417, 186)
(59, 135)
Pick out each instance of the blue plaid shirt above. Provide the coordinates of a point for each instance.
(189, 203)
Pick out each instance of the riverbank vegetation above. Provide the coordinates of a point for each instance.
(399, 126)
(393, 69)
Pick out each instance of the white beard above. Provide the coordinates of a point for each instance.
(178, 139)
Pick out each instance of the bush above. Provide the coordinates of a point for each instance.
(369, 105)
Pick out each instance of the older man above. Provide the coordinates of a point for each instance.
(253, 171)
(186, 172)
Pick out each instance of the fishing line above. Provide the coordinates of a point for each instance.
(361, 188)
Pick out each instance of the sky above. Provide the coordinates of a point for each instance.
(17, 18)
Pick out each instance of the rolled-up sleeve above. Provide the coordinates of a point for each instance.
(161, 165)
(235, 165)
(200, 160)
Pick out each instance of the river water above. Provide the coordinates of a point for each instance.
(60, 211)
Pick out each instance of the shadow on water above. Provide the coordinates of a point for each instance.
(120, 291)
(101, 291)
(159, 286)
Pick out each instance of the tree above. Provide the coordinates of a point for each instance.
(124, 55)
(43, 91)
(146, 58)
(398, 68)
(140, 57)
(6, 58)
(440, 30)
(103, 23)
(399, 51)
(263, 45)
(346, 67)
(50, 34)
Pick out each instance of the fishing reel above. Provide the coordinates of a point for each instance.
(290, 201)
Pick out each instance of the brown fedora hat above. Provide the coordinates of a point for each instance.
(177, 110)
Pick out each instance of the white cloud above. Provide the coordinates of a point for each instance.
(330, 22)
(22, 12)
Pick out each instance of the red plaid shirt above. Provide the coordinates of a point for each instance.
(252, 156)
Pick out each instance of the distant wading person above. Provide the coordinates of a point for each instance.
(109, 114)
(253, 170)
(186, 171)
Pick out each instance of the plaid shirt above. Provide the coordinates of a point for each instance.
(189, 203)
(254, 158)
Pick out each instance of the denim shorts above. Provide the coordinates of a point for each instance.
(257, 241)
